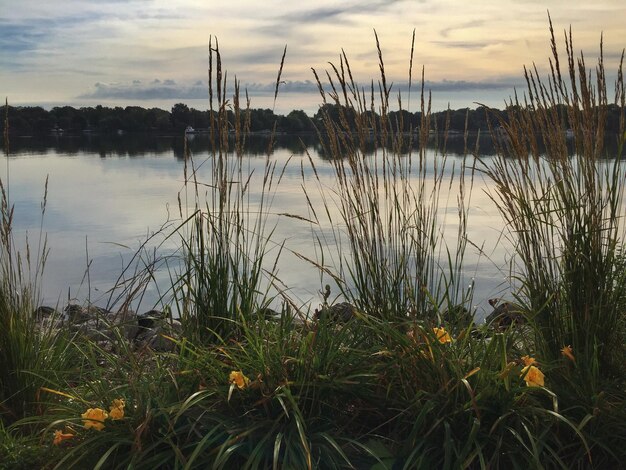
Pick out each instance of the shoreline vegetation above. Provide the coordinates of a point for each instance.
(390, 371)
(102, 120)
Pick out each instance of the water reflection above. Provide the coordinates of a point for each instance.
(107, 194)
(140, 145)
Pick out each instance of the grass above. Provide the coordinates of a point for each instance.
(384, 207)
(565, 214)
(227, 238)
(31, 354)
(249, 387)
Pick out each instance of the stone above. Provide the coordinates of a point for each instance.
(342, 312)
(106, 327)
(505, 314)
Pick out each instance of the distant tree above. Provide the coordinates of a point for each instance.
(163, 123)
(478, 119)
(457, 119)
(35, 119)
(110, 123)
(296, 121)
(262, 119)
(342, 116)
(180, 116)
(63, 116)
(133, 118)
(402, 120)
(199, 119)
(614, 113)
(78, 122)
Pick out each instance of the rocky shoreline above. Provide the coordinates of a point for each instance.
(153, 329)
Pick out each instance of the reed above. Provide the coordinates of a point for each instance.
(392, 259)
(227, 238)
(31, 355)
(564, 210)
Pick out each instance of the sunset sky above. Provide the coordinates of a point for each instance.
(154, 52)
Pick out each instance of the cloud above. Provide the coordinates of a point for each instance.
(289, 86)
(467, 25)
(343, 14)
(41, 28)
(464, 44)
(171, 90)
(264, 56)
(167, 89)
(317, 15)
(465, 85)
(137, 91)
(452, 86)
(16, 38)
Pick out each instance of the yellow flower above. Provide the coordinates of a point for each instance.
(94, 418)
(237, 378)
(117, 409)
(529, 361)
(568, 352)
(60, 436)
(442, 335)
(533, 376)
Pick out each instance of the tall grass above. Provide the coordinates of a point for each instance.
(564, 211)
(393, 258)
(30, 355)
(224, 283)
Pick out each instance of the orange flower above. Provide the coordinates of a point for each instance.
(60, 436)
(237, 378)
(94, 418)
(533, 376)
(117, 409)
(529, 361)
(568, 352)
(442, 335)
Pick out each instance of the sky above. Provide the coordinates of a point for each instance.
(154, 53)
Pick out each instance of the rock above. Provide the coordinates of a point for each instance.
(107, 328)
(505, 314)
(342, 312)
(76, 313)
(458, 318)
(45, 312)
(267, 314)
(154, 329)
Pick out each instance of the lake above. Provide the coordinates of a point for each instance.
(107, 194)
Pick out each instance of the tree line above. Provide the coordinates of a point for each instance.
(32, 120)
(26, 120)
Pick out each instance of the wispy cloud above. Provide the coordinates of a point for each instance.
(18, 38)
(445, 32)
(342, 13)
(470, 44)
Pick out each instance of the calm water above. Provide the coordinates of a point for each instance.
(106, 195)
